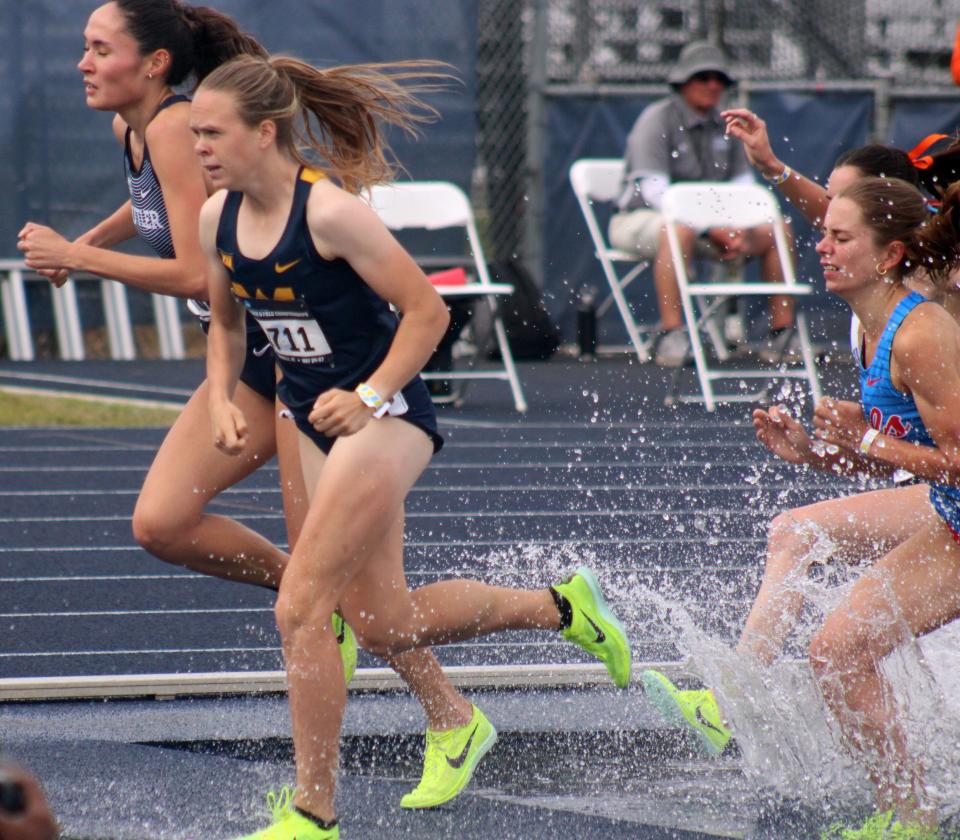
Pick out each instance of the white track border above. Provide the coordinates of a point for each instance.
(165, 686)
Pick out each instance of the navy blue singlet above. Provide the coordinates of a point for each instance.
(328, 328)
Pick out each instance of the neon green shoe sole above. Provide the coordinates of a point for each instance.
(696, 710)
(881, 826)
(449, 761)
(289, 824)
(594, 627)
(347, 645)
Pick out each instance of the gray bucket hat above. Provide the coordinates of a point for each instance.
(699, 57)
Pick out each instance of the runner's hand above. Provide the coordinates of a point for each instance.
(840, 423)
(782, 435)
(230, 433)
(338, 413)
(750, 130)
(43, 248)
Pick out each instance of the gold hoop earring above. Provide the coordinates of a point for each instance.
(882, 273)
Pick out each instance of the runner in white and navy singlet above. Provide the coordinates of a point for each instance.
(893, 413)
(328, 328)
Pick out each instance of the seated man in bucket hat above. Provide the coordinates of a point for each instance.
(682, 138)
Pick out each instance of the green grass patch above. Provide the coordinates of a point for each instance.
(18, 409)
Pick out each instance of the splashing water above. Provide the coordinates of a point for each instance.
(790, 744)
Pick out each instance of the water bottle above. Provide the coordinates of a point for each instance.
(587, 322)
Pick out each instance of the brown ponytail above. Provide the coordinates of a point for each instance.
(336, 113)
(895, 211)
(198, 38)
(216, 39)
(937, 245)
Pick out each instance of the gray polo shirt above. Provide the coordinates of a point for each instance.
(671, 140)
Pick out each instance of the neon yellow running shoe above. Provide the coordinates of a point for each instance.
(593, 625)
(347, 644)
(696, 709)
(289, 824)
(881, 826)
(449, 761)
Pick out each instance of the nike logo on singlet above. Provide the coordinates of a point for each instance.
(872, 382)
(282, 267)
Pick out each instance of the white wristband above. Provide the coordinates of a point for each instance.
(869, 436)
(371, 399)
(776, 180)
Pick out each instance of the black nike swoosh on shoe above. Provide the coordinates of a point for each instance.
(601, 636)
(457, 763)
(706, 723)
(342, 635)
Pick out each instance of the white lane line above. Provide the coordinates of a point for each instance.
(698, 537)
(277, 649)
(438, 514)
(142, 652)
(499, 444)
(123, 613)
(465, 465)
(70, 520)
(470, 488)
(95, 383)
(193, 578)
(600, 428)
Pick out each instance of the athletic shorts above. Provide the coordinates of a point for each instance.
(638, 232)
(259, 367)
(420, 412)
(948, 507)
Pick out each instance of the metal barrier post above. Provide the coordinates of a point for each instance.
(67, 320)
(169, 330)
(116, 313)
(15, 316)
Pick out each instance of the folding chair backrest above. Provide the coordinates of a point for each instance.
(705, 204)
(429, 205)
(432, 205)
(597, 179)
(421, 204)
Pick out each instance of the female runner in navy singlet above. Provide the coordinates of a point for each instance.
(313, 263)
(135, 52)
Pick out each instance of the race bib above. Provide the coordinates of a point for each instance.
(292, 332)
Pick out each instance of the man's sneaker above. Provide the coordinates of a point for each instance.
(289, 824)
(696, 709)
(734, 329)
(881, 826)
(593, 626)
(782, 346)
(673, 348)
(347, 645)
(449, 761)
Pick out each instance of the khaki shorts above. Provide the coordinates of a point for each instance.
(638, 232)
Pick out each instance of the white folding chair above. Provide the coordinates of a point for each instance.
(713, 204)
(601, 180)
(433, 205)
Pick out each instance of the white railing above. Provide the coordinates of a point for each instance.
(14, 275)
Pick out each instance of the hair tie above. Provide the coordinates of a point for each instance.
(917, 158)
